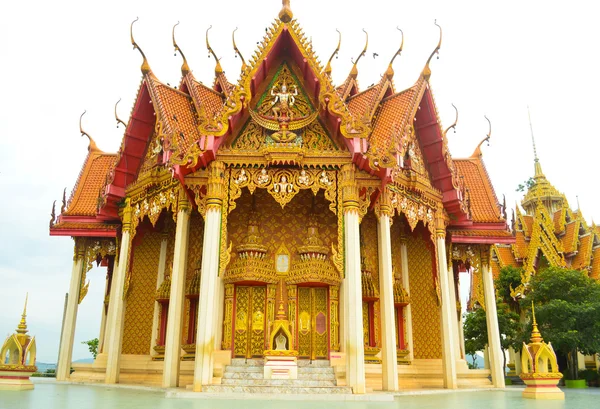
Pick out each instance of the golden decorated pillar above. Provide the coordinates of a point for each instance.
(228, 317)
(389, 357)
(116, 307)
(408, 327)
(448, 304)
(292, 293)
(353, 314)
(334, 320)
(208, 299)
(491, 316)
(63, 369)
(177, 296)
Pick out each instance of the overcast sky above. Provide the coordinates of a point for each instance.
(62, 57)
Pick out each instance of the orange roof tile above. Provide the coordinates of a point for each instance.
(484, 204)
(582, 258)
(559, 221)
(85, 226)
(359, 104)
(595, 273)
(481, 233)
(569, 240)
(528, 220)
(84, 198)
(393, 115)
(520, 246)
(506, 256)
(209, 99)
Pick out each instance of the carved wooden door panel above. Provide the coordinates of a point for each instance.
(312, 327)
(249, 326)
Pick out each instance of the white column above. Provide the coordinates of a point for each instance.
(448, 314)
(518, 368)
(160, 277)
(219, 306)
(116, 307)
(496, 358)
(205, 335)
(177, 297)
(389, 355)
(355, 353)
(63, 369)
(408, 328)
(486, 358)
(455, 316)
(103, 318)
(580, 361)
(461, 336)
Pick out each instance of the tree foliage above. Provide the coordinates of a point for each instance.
(509, 277)
(92, 346)
(567, 308)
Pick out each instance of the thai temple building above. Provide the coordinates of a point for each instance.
(548, 233)
(277, 216)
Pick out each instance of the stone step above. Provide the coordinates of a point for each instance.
(314, 370)
(320, 363)
(276, 389)
(248, 362)
(317, 376)
(314, 376)
(248, 369)
(278, 382)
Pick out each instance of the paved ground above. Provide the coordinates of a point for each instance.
(49, 395)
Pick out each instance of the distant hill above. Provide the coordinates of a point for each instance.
(478, 360)
(43, 367)
(84, 361)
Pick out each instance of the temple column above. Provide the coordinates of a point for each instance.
(408, 329)
(63, 369)
(491, 316)
(486, 357)
(455, 320)
(177, 295)
(116, 307)
(355, 354)
(205, 336)
(162, 265)
(448, 309)
(580, 361)
(103, 317)
(389, 355)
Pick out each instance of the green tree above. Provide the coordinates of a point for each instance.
(509, 277)
(567, 308)
(475, 329)
(92, 346)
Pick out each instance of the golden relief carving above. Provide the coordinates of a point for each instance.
(312, 318)
(470, 255)
(334, 320)
(92, 250)
(228, 317)
(425, 313)
(249, 335)
(139, 313)
(151, 197)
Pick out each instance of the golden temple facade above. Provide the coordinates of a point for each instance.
(281, 207)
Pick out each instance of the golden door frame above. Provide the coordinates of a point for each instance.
(250, 323)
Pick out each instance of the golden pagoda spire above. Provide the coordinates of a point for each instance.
(286, 15)
(426, 73)
(237, 50)
(92, 146)
(536, 336)
(145, 66)
(117, 116)
(354, 71)
(218, 69)
(538, 166)
(22, 327)
(477, 152)
(185, 68)
(389, 73)
(327, 70)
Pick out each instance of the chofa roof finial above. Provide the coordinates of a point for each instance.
(92, 147)
(453, 126)
(327, 69)
(390, 71)
(237, 50)
(145, 66)
(185, 68)
(426, 70)
(218, 69)
(286, 15)
(354, 71)
(477, 152)
(117, 116)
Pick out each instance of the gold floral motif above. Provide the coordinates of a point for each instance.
(334, 321)
(228, 317)
(153, 199)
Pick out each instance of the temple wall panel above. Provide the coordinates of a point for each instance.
(277, 225)
(193, 261)
(425, 310)
(395, 234)
(370, 248)
(139, 312)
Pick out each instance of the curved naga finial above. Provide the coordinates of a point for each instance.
(185, 68)
(426, 70)
(92, 147)
(327, 69)
(145, 66)
(477, 151)
(455, 122)
(53, 214)
(354, 71)
(237, 50)
(63, 206)
(218, 69)
(117, 116)
(390, 71)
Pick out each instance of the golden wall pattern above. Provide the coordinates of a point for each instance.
(194, 258)
(139, 308)
(368, 229)
(425, 311)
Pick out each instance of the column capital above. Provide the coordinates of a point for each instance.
(183, 204)
(215, 189)
(349, 188)
(440, 223)
(484, 255)
(127, 213)
(79, 248)
(383, 206)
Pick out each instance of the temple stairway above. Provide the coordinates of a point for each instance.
(246, 376)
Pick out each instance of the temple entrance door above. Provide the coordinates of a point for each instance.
(313, 336)
(249, 327)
